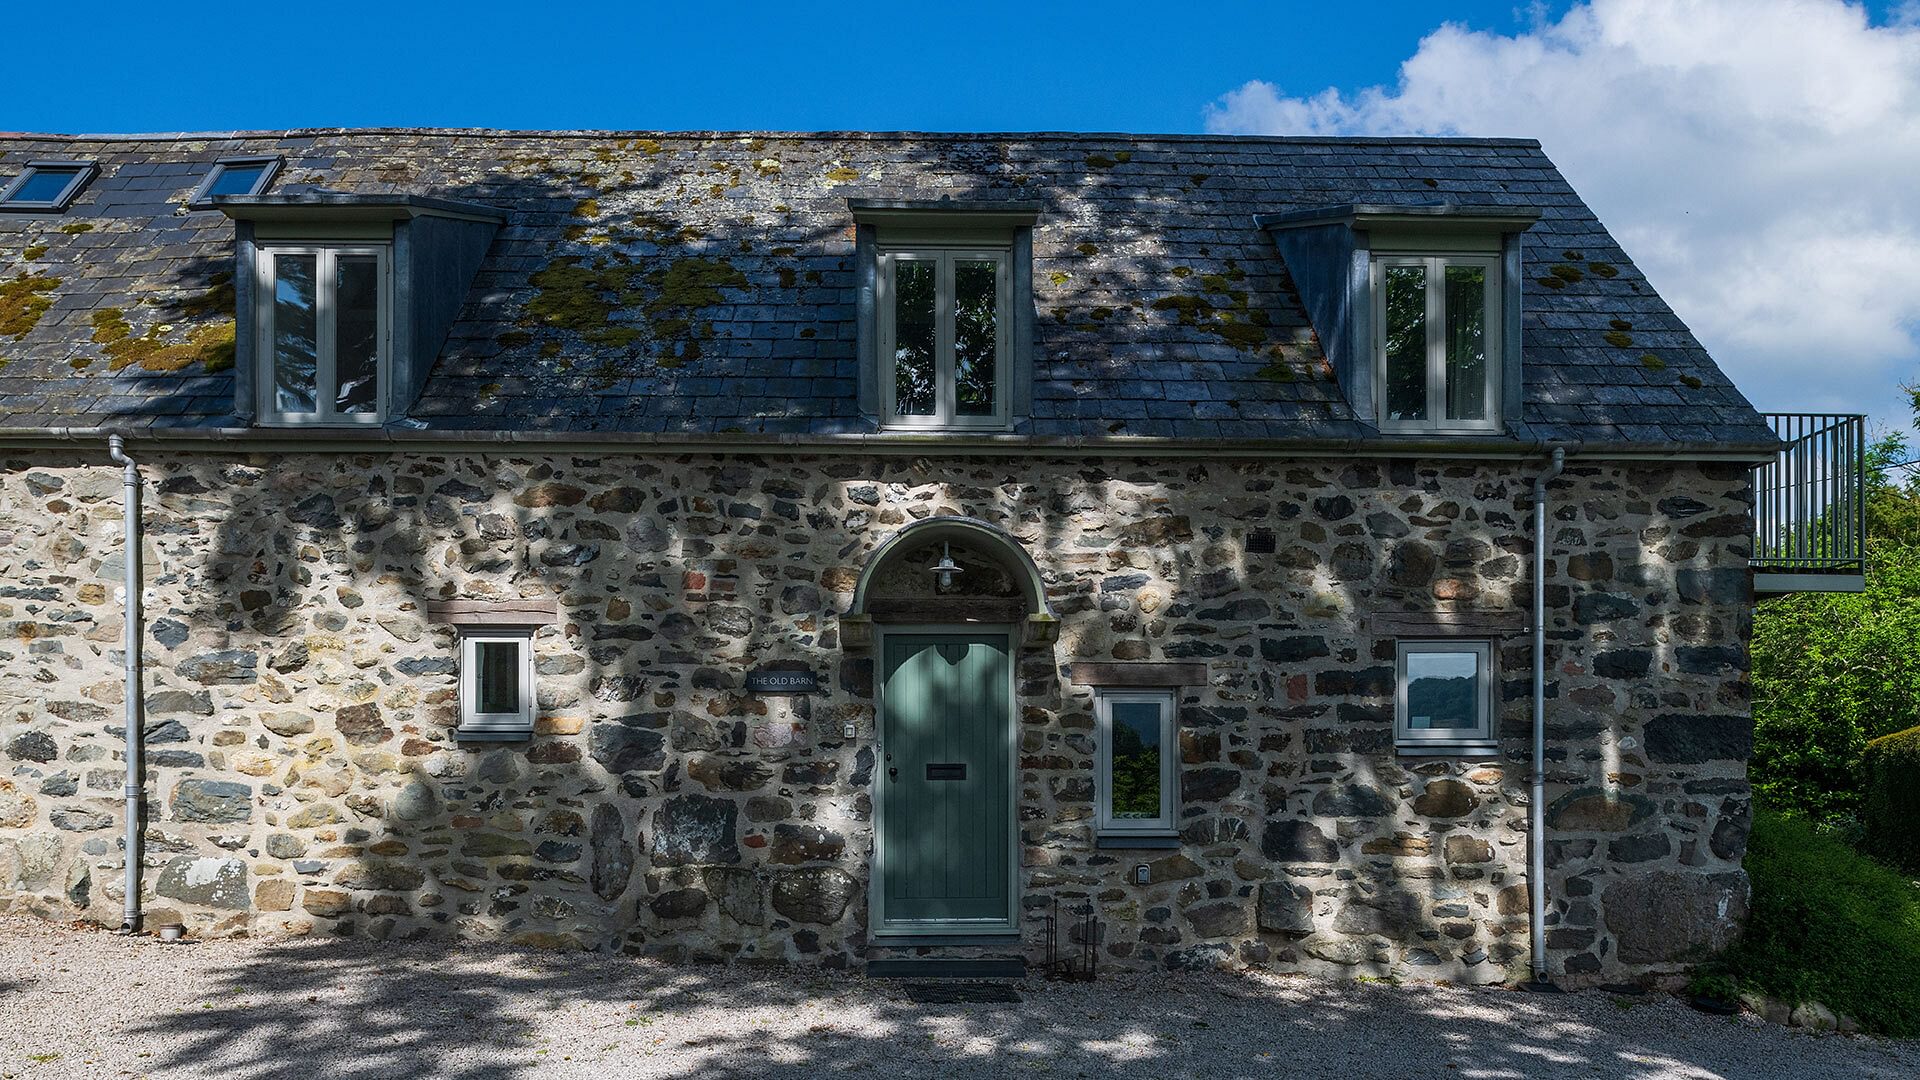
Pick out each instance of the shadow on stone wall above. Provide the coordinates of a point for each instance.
(294, 587)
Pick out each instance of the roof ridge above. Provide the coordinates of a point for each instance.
(834, 135)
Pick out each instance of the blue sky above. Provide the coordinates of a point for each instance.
(1121, 65)
(1754, 156)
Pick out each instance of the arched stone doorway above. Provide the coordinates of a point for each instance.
(945, 658)
(998, 583)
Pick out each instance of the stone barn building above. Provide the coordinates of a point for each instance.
(867, 549)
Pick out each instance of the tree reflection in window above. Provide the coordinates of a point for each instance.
(1443, 690)
(914, 292)
(295, 322)
(356, 333)
(976, 335)
(1466, 342)
(323, 310)
(1136, 760)
(1406, 289)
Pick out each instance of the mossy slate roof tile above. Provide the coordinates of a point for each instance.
(1161, 213)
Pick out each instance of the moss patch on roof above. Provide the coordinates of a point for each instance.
(210, 344)
(586, 298)
(22, 301)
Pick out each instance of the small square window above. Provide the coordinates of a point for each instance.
(1443, 697)
(1437, 343)
(234, 176)
(944, 330)
(496, 684)
(46, 186)
(1136, 772)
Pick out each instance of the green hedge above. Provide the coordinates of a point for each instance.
(1830, 925)
(1891, 765)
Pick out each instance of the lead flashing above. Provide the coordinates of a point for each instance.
(346, 206)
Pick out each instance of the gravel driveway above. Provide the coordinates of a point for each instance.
(87, 1003)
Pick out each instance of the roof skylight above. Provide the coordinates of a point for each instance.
(46, 186)
(234, 176)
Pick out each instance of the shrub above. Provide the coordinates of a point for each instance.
(1891, 771)
(1829, 925)
(1830, 672)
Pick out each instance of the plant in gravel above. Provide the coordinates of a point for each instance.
(1707, 983)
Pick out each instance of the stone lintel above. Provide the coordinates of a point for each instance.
(1132, 674)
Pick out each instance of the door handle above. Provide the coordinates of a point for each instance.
(893, 773)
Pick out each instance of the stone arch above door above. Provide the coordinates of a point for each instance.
(999, 583)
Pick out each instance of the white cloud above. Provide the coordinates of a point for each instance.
(1759, 159)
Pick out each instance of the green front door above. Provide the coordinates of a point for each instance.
(946, 813)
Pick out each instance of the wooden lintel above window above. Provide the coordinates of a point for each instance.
(1448, 623)
(1133, 674)
(493, 612)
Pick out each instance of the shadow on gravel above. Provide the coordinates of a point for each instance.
(355, 1010)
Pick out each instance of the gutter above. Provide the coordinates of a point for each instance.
(133, 632)
(1537, 831)
(443, 440)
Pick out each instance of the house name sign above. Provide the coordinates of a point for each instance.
(782, 681)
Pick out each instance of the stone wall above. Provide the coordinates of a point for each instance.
(304, 778)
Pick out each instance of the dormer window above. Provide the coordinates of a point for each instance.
(323, 318)
(234, 176)
(946, 313)
(943, 337)
(344, 302)
(1437, 342)
(46, 187)
(1417, 307)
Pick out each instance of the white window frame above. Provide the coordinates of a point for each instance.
(1105, 824)
(1436, 422)
(326, 377)
(517, 724)
(83, 172)
(946, 416)
(1444, 740)
(202, 198)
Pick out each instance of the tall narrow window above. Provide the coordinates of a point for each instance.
(323, 334)
(1444, 696)
(496, 684)
(1137, 769)
(944, 331)
(1436, 353)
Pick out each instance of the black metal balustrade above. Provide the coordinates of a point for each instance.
(1810, 506)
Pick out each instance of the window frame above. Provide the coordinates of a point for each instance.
(945, 416)
(1482, 736)
(325, 374)
(84, 172)
(1166, 825)
(202, 199)
(499, 726)
(1435, 266)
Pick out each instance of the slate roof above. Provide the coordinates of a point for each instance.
(1144, 240)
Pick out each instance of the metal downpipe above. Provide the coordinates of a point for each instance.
(1537, 871)
(130, 648)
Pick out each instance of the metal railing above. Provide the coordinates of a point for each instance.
(1810, 501)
